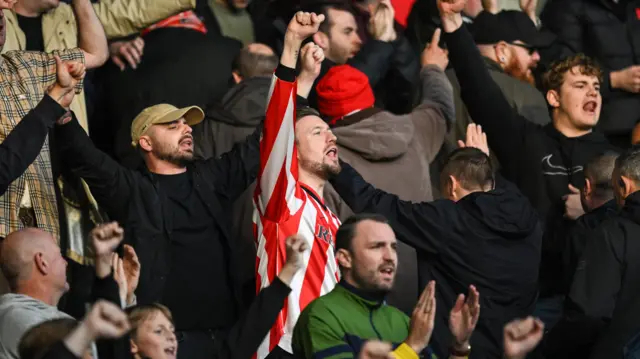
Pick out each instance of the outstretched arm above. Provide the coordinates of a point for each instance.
(278, 175)
(482, 96)
(91, 37)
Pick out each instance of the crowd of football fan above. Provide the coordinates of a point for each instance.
(366, 179)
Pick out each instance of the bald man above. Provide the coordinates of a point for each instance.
(254, 60)
(36, 274)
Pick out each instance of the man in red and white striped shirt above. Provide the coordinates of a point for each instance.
(298, 153)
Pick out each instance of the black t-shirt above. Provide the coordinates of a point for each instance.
(198, 290)
(32, 28)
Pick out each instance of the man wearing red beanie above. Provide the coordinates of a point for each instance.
(392, 152)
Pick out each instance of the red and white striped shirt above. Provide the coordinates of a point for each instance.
(284, 207)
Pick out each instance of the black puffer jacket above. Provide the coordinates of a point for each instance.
(610, 33)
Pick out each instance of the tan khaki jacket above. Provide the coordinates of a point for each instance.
(118, 17)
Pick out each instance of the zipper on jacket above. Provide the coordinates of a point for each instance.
(372, 325)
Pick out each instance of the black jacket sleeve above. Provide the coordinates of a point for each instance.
(107, 289)
(110, 183)
(419, 225)
(23, 144)
(59, 351)
(246, 335)
(235, 170)
(484, 100)
(374, 60)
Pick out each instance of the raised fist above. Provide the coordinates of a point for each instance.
(304, 24)
(312, 56)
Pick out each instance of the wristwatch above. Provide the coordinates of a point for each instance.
(460, 350)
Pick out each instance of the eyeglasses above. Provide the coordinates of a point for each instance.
(529, 49)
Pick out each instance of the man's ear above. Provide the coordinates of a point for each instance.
(236, 77)
(588, 188)
(145, 143)
(344, 258)
(321, 39)
(502, 53)
(628, 185)
(452, 188)
(41, 263)
(553, 98)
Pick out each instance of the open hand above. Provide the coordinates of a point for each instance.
(131, 267)
(433, 54)
(105, 239)
(422, 319)
(521, 336)
(119, 276)
(304, 24)
(312, 56)
(464, 316)
(475, 138)
(127, 51)
(382, 22)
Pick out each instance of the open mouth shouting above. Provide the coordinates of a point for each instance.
(332, 153)
(171, 351)
(186, 141)
(590, 107)
(387, 271)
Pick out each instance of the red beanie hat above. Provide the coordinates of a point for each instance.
(344, 89)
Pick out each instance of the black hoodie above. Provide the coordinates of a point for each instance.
(488, 239)
(604, 293)
(541, 161)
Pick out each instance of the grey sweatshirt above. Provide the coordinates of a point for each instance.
(18, 314)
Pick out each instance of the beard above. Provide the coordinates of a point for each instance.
(173, 156)
(321, 169)
(366, 280)
(512, 69)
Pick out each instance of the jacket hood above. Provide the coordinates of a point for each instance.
(375, 134)
(244, 105)
(504, 211)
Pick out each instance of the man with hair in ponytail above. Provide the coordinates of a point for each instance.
(378, 143)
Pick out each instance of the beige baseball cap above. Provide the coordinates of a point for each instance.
(163, 113)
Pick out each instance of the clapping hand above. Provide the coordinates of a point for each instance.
(464, 317)
(422, 319)
(475, 138)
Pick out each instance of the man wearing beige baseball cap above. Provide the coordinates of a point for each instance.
(176, 215)
(163, 134)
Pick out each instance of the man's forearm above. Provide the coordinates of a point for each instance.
(91, 36)
(290, 52)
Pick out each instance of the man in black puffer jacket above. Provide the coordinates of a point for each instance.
(608, 31)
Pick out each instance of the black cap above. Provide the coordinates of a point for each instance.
(509, 26)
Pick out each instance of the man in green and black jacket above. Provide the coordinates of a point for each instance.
(338, 324)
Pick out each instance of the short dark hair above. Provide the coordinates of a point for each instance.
(323, 7)
(555, 76)
(37, 341)
(251, 64)
(306, 111)
(471, 167)
(599, 172)
(347, 230)
(628, 163)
